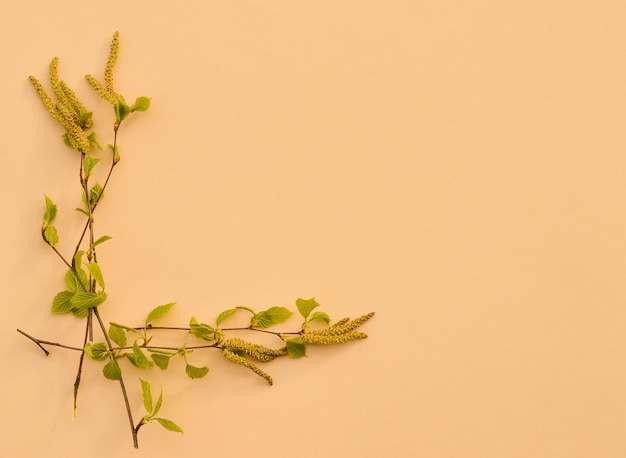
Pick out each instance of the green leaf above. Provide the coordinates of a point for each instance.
(157, 407)
(117, 335)
(116, 153)
(100, 240)
(322, 316)
(270, 317)
(112, 370)
(51, 235)
(84, 117)
(147, 395)
(121, 111)
(78, 261)
(158, 312)
(76, 284)
(196, 372)
(305, 306)
(139, 359)
(246, 308)
(51, 212)
(92, 138)
(79, 312)
(169, 425)
(82, 210)
(62, 302)
(95, 195)
(97, 351)
(141, 104)
(296, 348)
(96, 273)
(162, 361)
(203, 331)
(222, 316)
(88, 164)
(83, 300)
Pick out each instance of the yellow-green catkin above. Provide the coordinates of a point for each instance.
(108, 71)
(102, 92)
(56, 84)
(45, 99)
(76, 104)
(256, 351)
(76, 135)
(235, 358)
(329, 339)
(348, 326)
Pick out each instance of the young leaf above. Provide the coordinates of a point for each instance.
(196, 372)
(100, 240)
(121, 111)
(296, 348)
(96, 273)
(141, 104)
(50, 213)
(117, 335)
(95, 194)
(169, 425)
(116, 153)
(202, 331)
(322, 316)
(88, 164)
(83, 119)
(147, 395)
(51, 235)
(157, 407)
(83, 300)
(62, 302)
(305, 306)
(78, 261)
(222, 316)
(158, 312)
(76, 284)
(270, 317)
(162, 361)
(97, 351)
(112, 370)
(138, 358)
(92, 138)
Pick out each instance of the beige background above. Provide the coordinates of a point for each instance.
(456, 166)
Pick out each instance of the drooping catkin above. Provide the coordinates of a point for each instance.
(256, 351)
(242, 361)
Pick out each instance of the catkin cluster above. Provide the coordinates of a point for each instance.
(256, 351)
(242, 361)
(341, 332)
(68, 110)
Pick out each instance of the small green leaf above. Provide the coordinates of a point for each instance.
(158, 312)
(82, 210)
(162, 361)
(246, 308)
(169, 425)
(121, 111)
(322, 316)
(305, 306)
(196, 372)
(75, 284)
(51, 212)
(83, 300)
(78, 260)
(141, 104)
(203, 331)
(51, 235)
(270, 317)
(88, 164)
(157, 407)
(100, 240)
(222, 316)
(112, 370)
(139, 359)
(147, 395)
(84, 117)
(62, 302)
(116, 153)
(92, 138)
(296, 348)
(79, 312)
(95, 194)
(96, 273)
(97, 351)
(117, 335)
